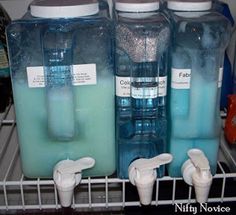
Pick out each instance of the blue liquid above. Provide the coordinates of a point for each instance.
(140, 139)
(141, 124)
(142, 41)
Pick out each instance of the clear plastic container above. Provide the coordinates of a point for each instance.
(63, 85)
(142, 39)
(199, 39)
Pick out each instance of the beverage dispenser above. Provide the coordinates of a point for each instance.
(142, 40)
(62, 75)
(199, 39)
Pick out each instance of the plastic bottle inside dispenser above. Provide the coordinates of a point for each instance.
(142, 39)
(199, 39)
(63, 83)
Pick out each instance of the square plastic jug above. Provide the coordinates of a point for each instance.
(199, 39)
(62, 76)
(142, 41)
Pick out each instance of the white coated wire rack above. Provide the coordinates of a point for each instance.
(108, 193)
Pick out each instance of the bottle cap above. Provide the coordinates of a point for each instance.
(137, 5)
(63, 8)
(189, 5)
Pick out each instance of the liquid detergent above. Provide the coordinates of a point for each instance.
(63, 86)
(142, 39)
(199, 40)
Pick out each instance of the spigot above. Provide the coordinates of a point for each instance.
(67, 175)
(196, 172)
(142, 173)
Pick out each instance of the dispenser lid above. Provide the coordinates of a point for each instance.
(189, 5)
(63, 8)
(137, 5)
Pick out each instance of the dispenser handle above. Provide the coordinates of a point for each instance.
(199, 159)
(77, 166)
(142, 174)
(67, 174)
(153, 163)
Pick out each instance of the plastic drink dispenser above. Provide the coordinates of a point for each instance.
(199, 40)
(63, 83)
(142, 39)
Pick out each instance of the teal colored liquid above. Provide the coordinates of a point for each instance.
(195, 119)
(61, 123)
(208, 146)
(195, 114)
(94, 124)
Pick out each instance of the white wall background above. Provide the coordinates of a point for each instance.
(15, 8)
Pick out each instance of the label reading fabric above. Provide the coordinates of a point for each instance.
(180, 78)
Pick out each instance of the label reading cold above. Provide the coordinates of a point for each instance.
(123, 87)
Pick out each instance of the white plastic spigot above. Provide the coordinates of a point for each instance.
(67, 174)
(196, 172)
(142, 173)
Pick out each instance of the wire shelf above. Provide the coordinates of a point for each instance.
(106, 193)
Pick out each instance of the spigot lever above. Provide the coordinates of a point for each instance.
(153, 163)
(198, 159)
(67, 174)
(142, 173)
(76, 166)
(196, 172)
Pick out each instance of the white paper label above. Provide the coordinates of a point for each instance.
(82, 74)
(220, 78)
(162, 86)
(144, 92)
(123, 87)
(180, 78)
(35, 77)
